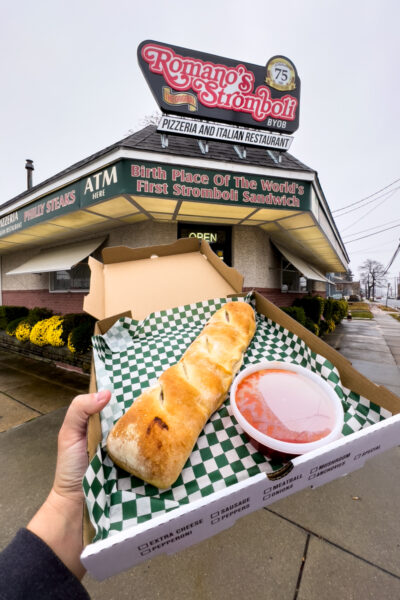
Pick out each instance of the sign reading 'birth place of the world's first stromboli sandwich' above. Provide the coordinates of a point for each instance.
(187, 82)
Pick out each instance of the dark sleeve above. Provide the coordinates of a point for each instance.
(30, 569)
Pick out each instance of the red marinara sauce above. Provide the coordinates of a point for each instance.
(285, 405)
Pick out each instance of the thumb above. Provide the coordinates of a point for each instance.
(79, 411)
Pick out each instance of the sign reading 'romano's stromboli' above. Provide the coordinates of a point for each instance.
(221, 89)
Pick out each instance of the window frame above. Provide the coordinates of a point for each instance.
(69, 290)
(288, 267)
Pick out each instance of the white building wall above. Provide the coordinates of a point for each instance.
(254, 257)
(145, 233)
(28, 281)
(319, 286)
(252, 252)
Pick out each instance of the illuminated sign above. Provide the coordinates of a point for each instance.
(204, 235)
(221, 187)
(143, 178)
(187, 82)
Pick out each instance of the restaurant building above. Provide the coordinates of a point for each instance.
(262, 210)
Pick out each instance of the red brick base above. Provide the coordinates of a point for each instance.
(66, 302)
(60, 303)
(280, 299)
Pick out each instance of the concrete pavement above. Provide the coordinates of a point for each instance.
(32, 388)
(339, 541)
(373, 347)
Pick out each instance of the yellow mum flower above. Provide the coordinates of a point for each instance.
(38, 334)
(23, 331)
(71, 347)
(54, 331)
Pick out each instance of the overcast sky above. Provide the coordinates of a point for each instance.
(71, 85)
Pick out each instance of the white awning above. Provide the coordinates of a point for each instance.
(61, 258)
(309, 271)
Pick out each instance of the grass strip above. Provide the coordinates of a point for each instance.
(361, 314)
(397, 317)
(387, 308)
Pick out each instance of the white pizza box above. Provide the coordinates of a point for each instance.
(139, 281)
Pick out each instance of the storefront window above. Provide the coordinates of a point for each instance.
(219, 238)
(292, 279)
(76, 279)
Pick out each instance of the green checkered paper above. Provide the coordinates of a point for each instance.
(131, 356)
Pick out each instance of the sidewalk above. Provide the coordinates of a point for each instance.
(32, 388)
(337, 542)
(373, 347)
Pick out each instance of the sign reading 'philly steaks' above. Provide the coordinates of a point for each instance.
(212, 87)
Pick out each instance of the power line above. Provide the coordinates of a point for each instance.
(367, 213)
(369, 229)
(370, 249)
(385, 197)
(367, 197)
(371, 234)
(376, 250)
(393, 257)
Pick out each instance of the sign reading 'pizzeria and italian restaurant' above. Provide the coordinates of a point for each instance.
(191, 83)
(224, 133)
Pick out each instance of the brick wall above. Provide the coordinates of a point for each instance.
(278, 298)
(60, 303)
(63, 303)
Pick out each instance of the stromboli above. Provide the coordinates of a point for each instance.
(156, 435)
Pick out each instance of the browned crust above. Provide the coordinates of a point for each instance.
(155, 437)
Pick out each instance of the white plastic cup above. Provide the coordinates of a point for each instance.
(278, 449)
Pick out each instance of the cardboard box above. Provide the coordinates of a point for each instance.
(139, 281)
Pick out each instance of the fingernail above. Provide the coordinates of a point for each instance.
(100, 396)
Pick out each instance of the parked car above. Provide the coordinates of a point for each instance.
(354, 298)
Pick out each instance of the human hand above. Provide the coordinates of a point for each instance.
(58, 521)
(72, 459)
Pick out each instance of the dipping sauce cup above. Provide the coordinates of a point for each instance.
(285, 409)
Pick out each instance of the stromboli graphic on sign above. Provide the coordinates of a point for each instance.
(189, 82)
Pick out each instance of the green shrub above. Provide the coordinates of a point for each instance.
(313, 307)
(38, 314)
(296, 312)
(80, 338)
(311, 326)
(10, 313)
(340, 310)
(323, 328)
(327, 326)
(329, 308)
(12, 325)
(71, 321)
